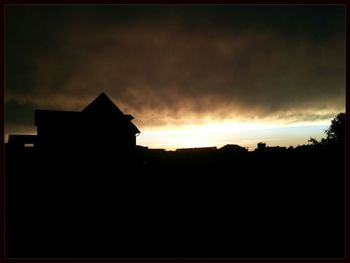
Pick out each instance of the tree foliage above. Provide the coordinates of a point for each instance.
(335, 133)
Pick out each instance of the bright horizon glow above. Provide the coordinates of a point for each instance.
(246, 134)
(218, 134)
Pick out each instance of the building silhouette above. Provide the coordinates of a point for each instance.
(55, 177)
(100, 123)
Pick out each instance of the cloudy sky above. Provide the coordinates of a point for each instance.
(191, 75)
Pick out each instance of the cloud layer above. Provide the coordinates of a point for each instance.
(178, 66)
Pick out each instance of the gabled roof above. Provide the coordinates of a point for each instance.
(101, 106)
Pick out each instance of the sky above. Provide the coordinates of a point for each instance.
(191, 75)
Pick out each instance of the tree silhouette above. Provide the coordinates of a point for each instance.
(335, 133)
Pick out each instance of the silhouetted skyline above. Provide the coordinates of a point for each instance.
(83, 188)
(192, 75)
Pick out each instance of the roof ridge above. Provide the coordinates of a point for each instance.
(102, 102)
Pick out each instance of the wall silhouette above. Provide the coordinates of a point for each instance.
(82, 188)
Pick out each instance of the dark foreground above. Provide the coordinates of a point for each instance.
(197, 204)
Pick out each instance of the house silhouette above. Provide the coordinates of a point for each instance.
(101, 123)
(64, 173)
(101, 127)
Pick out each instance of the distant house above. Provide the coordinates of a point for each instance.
(233, 148)
(261, 147)
(276, 149)
(197, 150)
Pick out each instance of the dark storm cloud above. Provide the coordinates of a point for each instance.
(18, 117)
(177, 64)
(21, 114)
